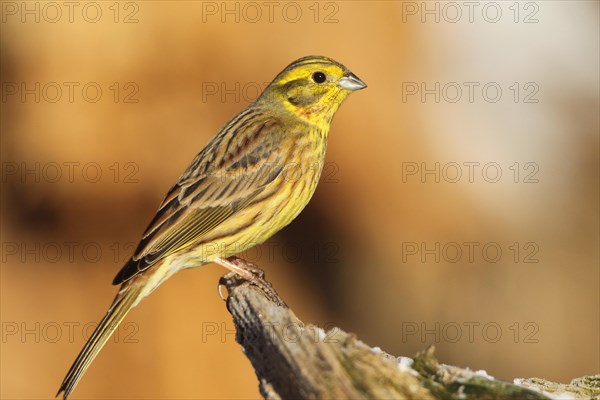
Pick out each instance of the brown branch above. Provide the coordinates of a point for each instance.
(297, 361)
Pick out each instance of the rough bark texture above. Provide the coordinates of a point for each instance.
(297, 361)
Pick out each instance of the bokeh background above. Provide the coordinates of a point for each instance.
(104, 104)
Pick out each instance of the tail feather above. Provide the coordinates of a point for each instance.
(124, 301)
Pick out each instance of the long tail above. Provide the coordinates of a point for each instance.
(125, 300)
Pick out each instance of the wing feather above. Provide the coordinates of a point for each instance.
(199, 202)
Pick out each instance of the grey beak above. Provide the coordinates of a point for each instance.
(351, 82)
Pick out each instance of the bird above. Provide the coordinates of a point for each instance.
(252, 179)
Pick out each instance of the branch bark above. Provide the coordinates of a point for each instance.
(297, 361)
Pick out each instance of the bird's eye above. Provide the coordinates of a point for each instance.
(319, 77)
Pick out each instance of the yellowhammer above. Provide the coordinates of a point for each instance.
(252, 179)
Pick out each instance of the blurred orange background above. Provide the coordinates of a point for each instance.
(458, 206)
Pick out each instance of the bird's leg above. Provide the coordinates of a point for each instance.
(248, 272)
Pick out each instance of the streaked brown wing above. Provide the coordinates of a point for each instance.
(226, 176)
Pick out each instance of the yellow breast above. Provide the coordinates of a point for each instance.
(274, 208)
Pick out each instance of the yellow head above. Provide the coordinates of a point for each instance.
(312, 88)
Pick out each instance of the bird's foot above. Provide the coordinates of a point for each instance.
(245, 271)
